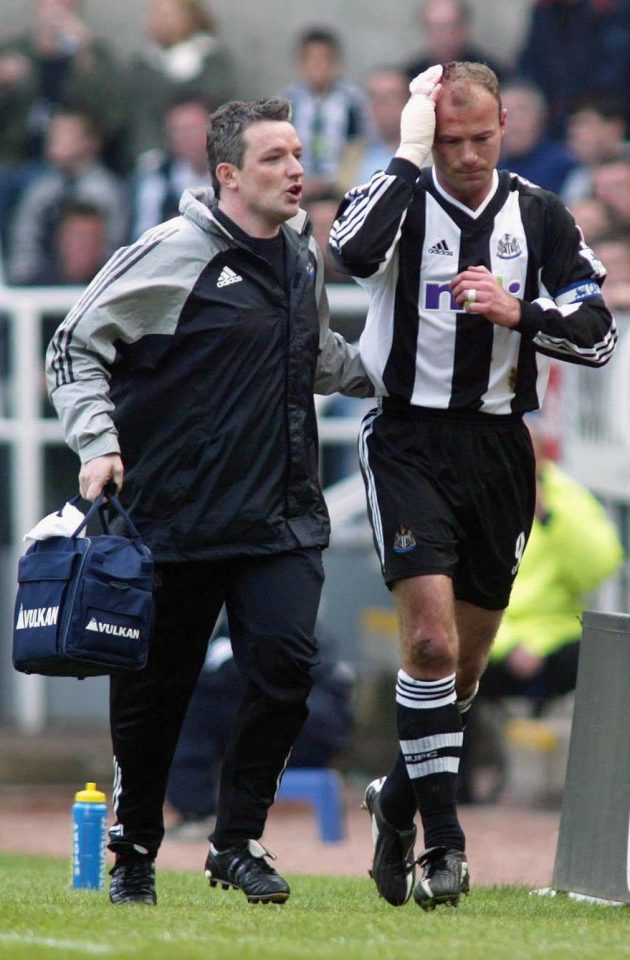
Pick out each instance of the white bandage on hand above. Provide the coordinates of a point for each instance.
(417, 121)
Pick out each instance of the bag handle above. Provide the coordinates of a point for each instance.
(108, 498)
(101, 514)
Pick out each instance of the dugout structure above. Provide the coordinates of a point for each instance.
(593, 853)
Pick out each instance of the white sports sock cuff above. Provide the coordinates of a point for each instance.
(403, 675)
(464, 705)
(424, 694)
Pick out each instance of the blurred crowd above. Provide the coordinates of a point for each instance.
(94, 150)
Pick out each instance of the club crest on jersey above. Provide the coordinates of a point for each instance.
(404, 540)
(508, 247)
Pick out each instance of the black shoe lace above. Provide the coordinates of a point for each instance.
(251, 864)
(431, 859)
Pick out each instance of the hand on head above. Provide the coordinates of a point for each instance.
(428, 83)
(417, 121)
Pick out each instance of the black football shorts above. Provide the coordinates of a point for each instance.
(452, 493)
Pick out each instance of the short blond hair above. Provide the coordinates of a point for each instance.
(461, 74)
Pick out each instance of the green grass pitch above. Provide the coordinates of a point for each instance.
(326, 918)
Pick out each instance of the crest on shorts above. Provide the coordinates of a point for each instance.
(508, 247)
(404, 540)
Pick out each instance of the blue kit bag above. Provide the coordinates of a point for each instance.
(84, 605)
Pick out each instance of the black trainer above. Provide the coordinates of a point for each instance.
(133, 880)
(245, 868)
(393, 863)
(444, 879)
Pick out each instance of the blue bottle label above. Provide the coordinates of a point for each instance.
(89, 835)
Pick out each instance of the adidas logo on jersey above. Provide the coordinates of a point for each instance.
(227, 276)
(441, 247)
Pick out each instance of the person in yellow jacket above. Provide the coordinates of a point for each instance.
(573, 548)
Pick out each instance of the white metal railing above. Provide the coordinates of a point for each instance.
(596, 407)
(595, 426)
(26, 431)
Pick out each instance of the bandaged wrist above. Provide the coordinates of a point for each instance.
(417, 129)
(413, 152)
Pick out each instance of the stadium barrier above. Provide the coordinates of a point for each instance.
(593, 851)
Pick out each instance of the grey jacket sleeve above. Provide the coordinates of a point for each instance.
(132, 296)
(339, 365)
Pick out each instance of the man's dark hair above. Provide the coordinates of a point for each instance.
(80, 208)
(605, 103)
(319, 35)
(182, 98)
(225, 142)
(623, 160)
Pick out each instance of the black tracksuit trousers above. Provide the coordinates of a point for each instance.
(271, 603)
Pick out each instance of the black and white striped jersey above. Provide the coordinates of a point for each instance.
(404, 238)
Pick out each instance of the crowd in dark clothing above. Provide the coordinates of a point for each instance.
(80, 126)
(122, 124)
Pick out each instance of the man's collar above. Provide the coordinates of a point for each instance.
(475, 214)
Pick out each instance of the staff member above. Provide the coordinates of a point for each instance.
(191, 360)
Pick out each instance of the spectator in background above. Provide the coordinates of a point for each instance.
(181, 53)
(614, 249)
(327, 112)
(74, 171)
(611, 184)
(322, 212)
(572, 549)
(79, 250)
(325, 736)
(573, 47)
(445, 27)
(162, 175)
(596, 131)
(79, 247)
(387, 93)
(58, 63)
(526, 149)
(594, 218)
